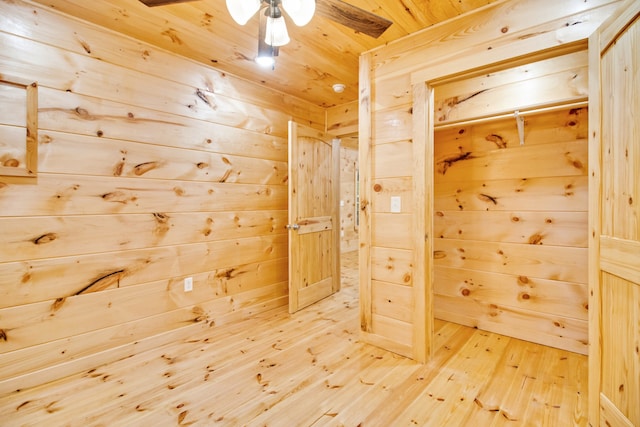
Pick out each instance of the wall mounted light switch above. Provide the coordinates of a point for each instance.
(396, 204)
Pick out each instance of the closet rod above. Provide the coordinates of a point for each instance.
(448, 125)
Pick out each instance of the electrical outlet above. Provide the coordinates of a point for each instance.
(188, 284)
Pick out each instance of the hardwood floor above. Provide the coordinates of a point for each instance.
(309, 369)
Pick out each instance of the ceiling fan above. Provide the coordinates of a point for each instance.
(338, 11)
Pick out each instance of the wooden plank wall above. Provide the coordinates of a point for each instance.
(152, 168)
(505, 31)
(342, 121)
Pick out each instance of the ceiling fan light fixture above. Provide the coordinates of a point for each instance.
(265, 61)
(266, 54)
(276, 34)
(242, 10)
(300, 11)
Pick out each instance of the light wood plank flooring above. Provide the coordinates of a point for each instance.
(309, 369)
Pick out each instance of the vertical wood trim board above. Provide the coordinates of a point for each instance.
(365, 151)
(335, 211)
(423, 142)
(595, 230)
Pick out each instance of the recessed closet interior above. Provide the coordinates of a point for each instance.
(510, 201)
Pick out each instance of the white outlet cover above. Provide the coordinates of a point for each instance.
(188, 284)
(396, 204)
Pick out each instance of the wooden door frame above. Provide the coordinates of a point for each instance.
(423, 84)
(465, 64)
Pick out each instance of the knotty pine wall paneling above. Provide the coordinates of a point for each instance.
(152, 168)
(342, 121)
(483, 64)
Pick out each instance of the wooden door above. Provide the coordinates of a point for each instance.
(614, 260)
(314, 245)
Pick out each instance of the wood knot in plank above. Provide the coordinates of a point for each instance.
(226, 176)
(536, 239)
(50, 408)
(200, 314)
(103, 282)
(445, 164)
(58, 303)
(439, 254)
(330, 386)
(162, 218)
(116, 197)
(85, 46)
(162, 223)
(3, 335)
(11, 163)
(228, 273)
(118, 168)
(497, 139)
(488, 198)
(45, 238)
(204, 98)
(181, 416)
(143, 168)
(172, 35)
(22, 405)
(576, 163)
(83, 113)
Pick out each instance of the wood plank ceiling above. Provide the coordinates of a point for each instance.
(319, 55)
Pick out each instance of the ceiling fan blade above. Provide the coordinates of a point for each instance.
(353, 17)
(152, 3)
